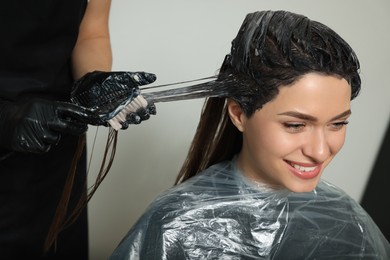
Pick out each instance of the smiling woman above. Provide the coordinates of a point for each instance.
(251, 185)
(291, 139)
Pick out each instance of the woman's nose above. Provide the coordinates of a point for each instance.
(316, 146)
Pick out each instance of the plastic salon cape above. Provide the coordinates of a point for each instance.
(221, 215)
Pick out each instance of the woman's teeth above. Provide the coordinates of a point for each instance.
(302, 168)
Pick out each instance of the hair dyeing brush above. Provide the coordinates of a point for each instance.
(113, 97)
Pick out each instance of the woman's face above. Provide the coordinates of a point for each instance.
(291, 139)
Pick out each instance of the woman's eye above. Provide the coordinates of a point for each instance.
(294, 127)
(339, 125)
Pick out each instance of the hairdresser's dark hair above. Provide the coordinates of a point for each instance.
(272, 49)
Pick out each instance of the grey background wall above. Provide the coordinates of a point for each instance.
(181, 40)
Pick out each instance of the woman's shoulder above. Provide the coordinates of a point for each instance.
(211, 182)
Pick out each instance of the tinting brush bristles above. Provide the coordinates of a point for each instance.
(132, 107)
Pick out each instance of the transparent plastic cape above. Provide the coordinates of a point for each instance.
(221, 215)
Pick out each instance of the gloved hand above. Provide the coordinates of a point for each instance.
(33, 125)
(106, 94)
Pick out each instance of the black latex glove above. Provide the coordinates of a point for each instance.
(106, 93)
(33, 125)
(141, 114)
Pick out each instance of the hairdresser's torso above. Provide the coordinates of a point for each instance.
(37, 41)
(35, 50)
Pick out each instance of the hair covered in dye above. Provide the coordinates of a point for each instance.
(272, 49)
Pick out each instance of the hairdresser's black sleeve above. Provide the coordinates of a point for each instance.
(33, 125)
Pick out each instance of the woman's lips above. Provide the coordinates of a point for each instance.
(304, 171)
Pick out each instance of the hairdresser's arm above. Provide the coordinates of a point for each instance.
(92, 59)
(93, 49)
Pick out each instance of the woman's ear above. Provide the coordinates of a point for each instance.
(237, 116)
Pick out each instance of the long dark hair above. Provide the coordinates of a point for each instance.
(272, 49)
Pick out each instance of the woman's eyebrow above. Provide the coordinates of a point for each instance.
(312, 118)
(344, 114)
